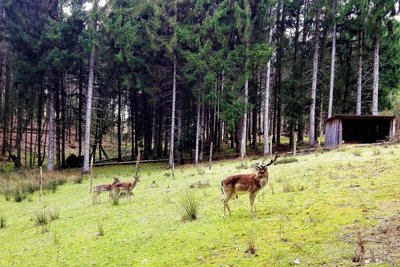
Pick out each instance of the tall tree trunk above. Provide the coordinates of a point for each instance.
(359, 76)
(80, 112)
(133, 118)
(119, 122)
(172, 135)
(332, 78)
(244, 124)
(375, 85)
(196, 155)
(63, 118)
(314, 85)
(89, 94)
(51, 132)
(6, 103)
(58, 130)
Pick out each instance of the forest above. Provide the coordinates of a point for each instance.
(188, 79)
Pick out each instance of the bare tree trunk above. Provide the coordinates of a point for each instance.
(51, 133)
(89, 94)
(332, 79)
(244, 125)
(196, 155)
(267, 97)
(359, 78)
(314, 85)
(119, 123)
(172, 137)
(375, 85)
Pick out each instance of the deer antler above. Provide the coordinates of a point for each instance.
(273, 160)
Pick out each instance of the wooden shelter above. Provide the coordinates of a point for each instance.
(341, 129)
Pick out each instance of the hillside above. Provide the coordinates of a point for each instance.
(336, 208)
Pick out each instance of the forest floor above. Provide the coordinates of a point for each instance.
(336, 208)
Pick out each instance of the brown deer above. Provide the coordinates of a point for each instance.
(98, 189)
(245, 183)
(125, 186)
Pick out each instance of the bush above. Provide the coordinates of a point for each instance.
(286, 160)
(188, 205)
(40, 218)
(18, 195)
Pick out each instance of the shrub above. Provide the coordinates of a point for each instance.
(61, 181)
(286, 160)
(188, 205)
(18, 195)
(3, 221)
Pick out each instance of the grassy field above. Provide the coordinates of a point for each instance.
(328, 208)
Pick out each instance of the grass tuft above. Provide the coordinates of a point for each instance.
(3, 221)
(357, 152)
(286, 160)
(100, 229)
(188, 205)
(287, 186)
(53, 214)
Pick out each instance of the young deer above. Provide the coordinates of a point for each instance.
(125, 186)
(245, 183)
(98, 189)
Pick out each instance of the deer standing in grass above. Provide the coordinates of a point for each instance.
(125, 186)
(98, 189)
(245, 184)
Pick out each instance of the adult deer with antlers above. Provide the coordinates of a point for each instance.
(245, 183)
(98, 189)
(125, 186)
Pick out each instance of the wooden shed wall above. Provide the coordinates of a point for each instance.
(333, 133)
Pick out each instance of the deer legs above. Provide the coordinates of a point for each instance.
(252, 197)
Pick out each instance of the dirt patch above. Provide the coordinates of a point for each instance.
(379, 244)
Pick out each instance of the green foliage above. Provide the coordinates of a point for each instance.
(286, 160)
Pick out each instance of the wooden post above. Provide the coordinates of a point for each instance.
(91, 174)
(137, 170)
(210, 159)
(40, 183)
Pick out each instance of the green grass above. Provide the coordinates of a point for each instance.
(336, 195)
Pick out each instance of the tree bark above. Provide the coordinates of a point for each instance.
(244, 124)
(196, 155)
(359, 76)
(172, 136)
(375, 85)
(89, 94)
(51, 132)
(332, 78)
(314, 85)
(119, 123)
